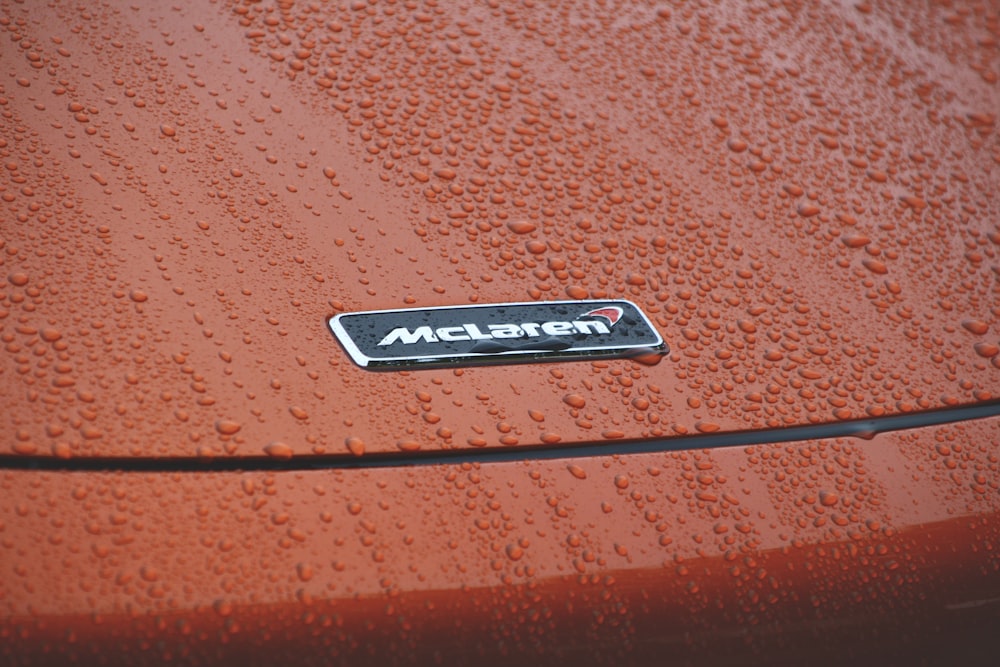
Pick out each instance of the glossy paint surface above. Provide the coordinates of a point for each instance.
(803, 198)
(815, 551)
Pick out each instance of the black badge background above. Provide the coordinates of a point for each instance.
(361, 332)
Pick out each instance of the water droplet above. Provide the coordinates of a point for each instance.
(987, 350)
(18, 279)
(875, 266)
(521, 226)
(977, 327)
(355, 445)
(227, 427)
(648, 357)
(808, 210)
(278, 450)
(24, 448)
(855, 240)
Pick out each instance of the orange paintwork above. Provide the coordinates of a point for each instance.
(189, 193)
(740, 555)
(803, 198)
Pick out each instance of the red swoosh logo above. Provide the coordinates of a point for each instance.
(611, 313)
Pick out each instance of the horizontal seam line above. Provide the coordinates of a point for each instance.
(863, 428)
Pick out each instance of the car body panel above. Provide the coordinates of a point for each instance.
(801, 197)
(811, 550)
(191, 192)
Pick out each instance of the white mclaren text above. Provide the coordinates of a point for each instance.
(473, 332)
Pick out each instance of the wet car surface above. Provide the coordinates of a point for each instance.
(802, 200)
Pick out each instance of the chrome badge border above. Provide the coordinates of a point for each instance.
(655, 344)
